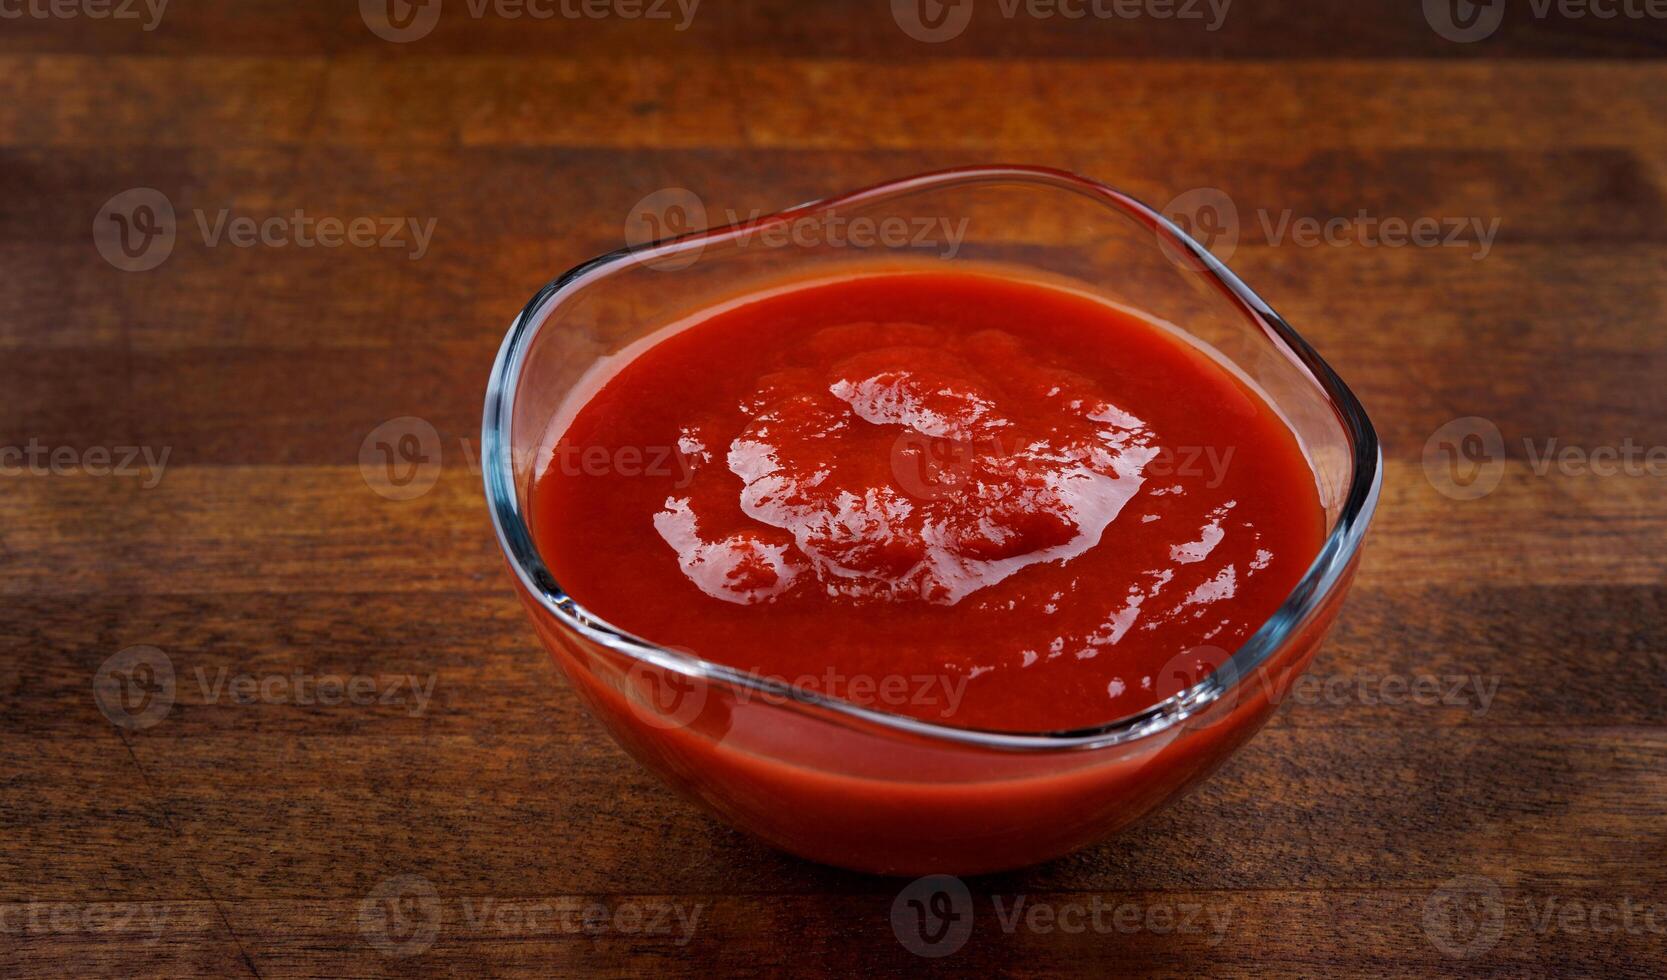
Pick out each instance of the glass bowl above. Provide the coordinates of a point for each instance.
(854, 786)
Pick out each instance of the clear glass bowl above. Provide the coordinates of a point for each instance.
(861, 788)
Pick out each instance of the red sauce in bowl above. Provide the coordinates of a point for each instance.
(978, 501)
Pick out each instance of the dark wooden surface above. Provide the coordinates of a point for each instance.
(252, 838)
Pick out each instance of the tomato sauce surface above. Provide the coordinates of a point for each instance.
(969, 499)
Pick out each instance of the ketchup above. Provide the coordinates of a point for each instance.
(975, 500)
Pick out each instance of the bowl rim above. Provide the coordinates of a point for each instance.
(1327, 572)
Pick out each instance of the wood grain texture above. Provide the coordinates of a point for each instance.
(1491, 702)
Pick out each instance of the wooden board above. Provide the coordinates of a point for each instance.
(251, 838)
